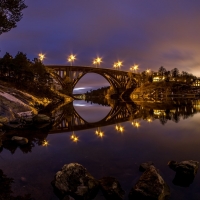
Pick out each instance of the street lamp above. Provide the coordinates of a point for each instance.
(148, 71)
(134, 68)
(71, 58)
(45, 143)
(118, 64)
(97, 61)
(41, 56)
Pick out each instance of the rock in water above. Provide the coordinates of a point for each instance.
(76, 181)
(111, 188)
(184, 167)
(145, 166)
(150, 186)
(20, 140)
(185, 171)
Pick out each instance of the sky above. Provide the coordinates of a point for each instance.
(150, 33)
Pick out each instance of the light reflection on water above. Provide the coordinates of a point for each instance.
(117, 154)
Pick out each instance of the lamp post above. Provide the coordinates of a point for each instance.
(97, 61)
(134, 68)
(71, 58)
(41, 56)
(148, 71)
(118, 64)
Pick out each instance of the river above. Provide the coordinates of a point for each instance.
(156, 134)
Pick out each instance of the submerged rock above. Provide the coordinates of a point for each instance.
(76, 181)
(111, 188)
(20, 140)
(150, 186)
(185, 171)
(145, 166)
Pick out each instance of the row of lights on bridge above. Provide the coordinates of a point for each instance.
(97, 61)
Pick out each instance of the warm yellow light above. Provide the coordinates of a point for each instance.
(75, 139)
(121, 129)
(101, 134)
(116, 127)
(98, 60)
(119, 64)
(71, 58)
(72, 136)
(135, 67)
(97, 132)
(41, 56)
(137, 124)
(149, 120)
(148, 71)
(45, 143)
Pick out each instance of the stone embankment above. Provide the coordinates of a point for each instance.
(74, 182)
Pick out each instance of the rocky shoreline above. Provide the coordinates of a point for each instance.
(74, 182)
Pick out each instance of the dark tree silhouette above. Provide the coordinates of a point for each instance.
(10, 14)
(162, 70)
(175, 72)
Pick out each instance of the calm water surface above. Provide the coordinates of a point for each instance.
(116, 154)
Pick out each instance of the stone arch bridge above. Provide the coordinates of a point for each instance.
(69, 76)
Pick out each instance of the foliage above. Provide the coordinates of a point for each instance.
(175, 72)
(10, 14)
(25, 74)
(162, 71)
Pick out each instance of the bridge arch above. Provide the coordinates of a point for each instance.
(69, 76)
(109, 78)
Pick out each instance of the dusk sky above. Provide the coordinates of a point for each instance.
(151, 33)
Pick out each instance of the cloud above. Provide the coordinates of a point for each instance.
(151, 33)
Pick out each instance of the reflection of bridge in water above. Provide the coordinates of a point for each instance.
(67, 118)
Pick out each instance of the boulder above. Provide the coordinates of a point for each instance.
(41, 118)
(20, 140)
(150, 186)
(188, 167)
(76, 181)
(185, 172)
(144, 166)
(111, 188)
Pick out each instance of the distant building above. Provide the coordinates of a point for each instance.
(196, 83)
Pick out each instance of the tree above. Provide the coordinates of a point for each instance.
(162, 71)
(10, 14)
(175, 72)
